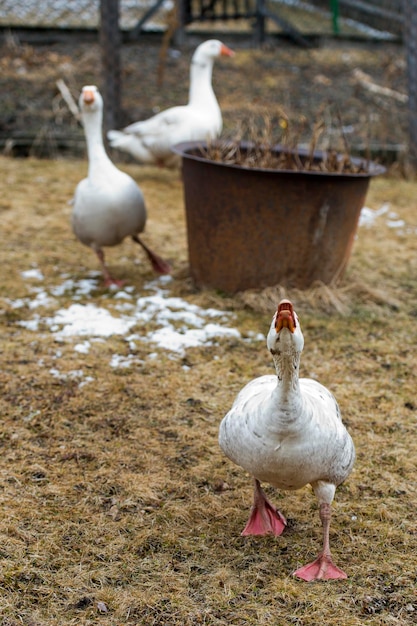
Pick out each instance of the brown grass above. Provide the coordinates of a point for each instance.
(118, 506)
(271, 141)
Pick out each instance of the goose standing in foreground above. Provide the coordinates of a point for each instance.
(288, 432)
(151, 140)
(108, 204)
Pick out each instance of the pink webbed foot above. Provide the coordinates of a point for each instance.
(322, 568)
(268, 521)
(265, 517)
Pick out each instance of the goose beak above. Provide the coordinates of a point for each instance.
(285, 317)
(88, 96)
(227, 52)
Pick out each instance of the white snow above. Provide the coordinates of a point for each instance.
(369, 216)
(119, 360)
(34, 273)
(82, 348)
(87, 320)
(173, 324)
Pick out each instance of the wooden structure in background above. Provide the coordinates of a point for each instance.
(258, 11)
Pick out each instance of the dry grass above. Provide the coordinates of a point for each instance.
(272, 141)
(117, 506)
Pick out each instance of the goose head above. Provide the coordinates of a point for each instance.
(211, 49)
(90, 99)
(285, 336)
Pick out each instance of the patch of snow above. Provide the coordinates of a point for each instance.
(72, 374)
(392, 223)
(42, 299)
(34, 273)
(176, 324)
(369, 216)
(124, 306)
(32, 324)
(16, 304)
(87, 379)
(253, 336)
(81, 287)
(89, 320)
(123, 295)
(170, 339)
(82, 348)
(118, 360)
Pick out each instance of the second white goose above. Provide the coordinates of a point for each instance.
(150, 141)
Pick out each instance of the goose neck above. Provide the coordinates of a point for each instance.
(287, 369)
(201, 89)
(95, 146)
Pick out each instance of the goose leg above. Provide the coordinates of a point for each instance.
(323, 567)
(108, 278)
(264, 517)
(158, 263)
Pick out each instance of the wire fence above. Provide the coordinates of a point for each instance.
(381, 14)
(75, 13)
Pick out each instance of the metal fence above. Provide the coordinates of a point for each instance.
(380, 14)
(76, 13)
(386, 15)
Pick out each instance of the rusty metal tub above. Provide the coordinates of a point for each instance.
(252, 227)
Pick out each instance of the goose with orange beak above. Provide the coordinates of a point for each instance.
(287, 431)
(150, 141)
(108, 204)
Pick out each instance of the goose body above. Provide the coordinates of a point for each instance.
(288, 432)
(108, 204)
(151, 140)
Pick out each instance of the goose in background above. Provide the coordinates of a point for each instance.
(287, 431)
(150, 141)
(108, 204)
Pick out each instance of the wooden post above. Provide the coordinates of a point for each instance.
(259, 24)
(183, 16)
(110, 60)
(410, 39)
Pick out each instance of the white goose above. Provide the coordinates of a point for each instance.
(288, 432)
(108, 204)
(150, 141)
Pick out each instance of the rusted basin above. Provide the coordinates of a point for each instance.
(252, 227)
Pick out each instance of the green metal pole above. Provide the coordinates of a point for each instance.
(334, 4)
